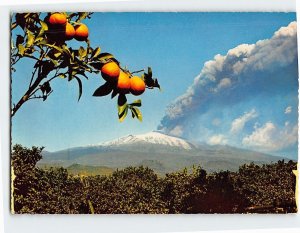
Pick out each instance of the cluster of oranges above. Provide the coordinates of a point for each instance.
(122, 80)
(60, 30)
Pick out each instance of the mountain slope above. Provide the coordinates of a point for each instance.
(161, 152)
(151, 138)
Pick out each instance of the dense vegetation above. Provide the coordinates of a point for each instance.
(263, 189)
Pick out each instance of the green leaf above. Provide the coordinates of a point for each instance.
(13, 25)
(105, 57)
(74, 72)
(156, 84)
(55, 47)
(55, 62)
(137, 103)
(103, 90)
(12, 44)
(79, 87)
(67, 51)
(21, 49)
(122, 112)
(88, 69)
(91, 207)
(96, 52)
(44, 25)
(46, 88)
(62, 75)
(121, 108)
(82, 16)
(30, 39)
(122, 99)
(75, 66)
(19, 40)
(57, 54)
(82, 53)
(150, 72)
(39, 40)
(137, 113)
(82, 73)
(41, 33)
(114, 93)
(149, 81)
(90, 50)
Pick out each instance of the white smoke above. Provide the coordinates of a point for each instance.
(258, 69)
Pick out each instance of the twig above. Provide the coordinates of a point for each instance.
(39, 88)
(138, 71)
(15, 61)
(32, 76)
(39, 67)
(40, 96)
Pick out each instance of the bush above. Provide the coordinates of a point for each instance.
(269, 186)
(262, 189)
(132, 190)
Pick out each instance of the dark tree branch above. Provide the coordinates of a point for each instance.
(138, 71)
(33, 74)
(27, 94)
(40, 96)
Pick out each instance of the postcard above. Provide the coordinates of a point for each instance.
(153, 113)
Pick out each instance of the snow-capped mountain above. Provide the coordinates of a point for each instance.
(152, 138)
(159, 151)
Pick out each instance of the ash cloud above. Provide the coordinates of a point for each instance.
(263, 70)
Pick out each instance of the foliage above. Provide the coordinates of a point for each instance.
(40, 191)
(221, 196)
(181, 190)
(271, 185)
(47, 47)
(264, 189)
(132, 190)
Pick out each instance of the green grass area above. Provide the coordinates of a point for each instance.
(79, 169)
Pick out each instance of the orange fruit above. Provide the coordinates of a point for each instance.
(57, 19)
(110, 71)
(70, 32)
(81, 32)
(137, 85)
(57, 26)
(123, 85)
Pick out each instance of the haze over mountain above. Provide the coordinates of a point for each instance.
(159, 151)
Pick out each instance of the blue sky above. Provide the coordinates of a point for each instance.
(177, 47)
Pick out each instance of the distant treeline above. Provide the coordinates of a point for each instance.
(253, 189)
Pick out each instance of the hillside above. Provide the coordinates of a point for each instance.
(161, 152)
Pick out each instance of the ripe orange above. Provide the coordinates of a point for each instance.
(57, 25)
(110, 71)
(137, 85)
(123, 85)
(57, 19)
(70, 32)
(81, 32)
